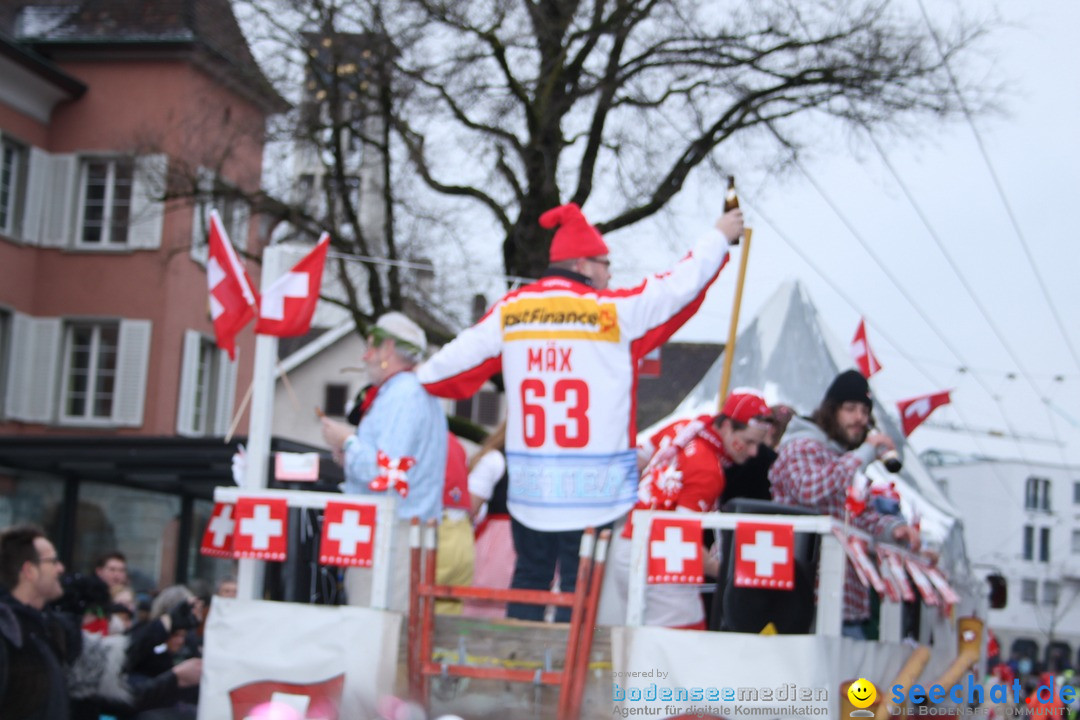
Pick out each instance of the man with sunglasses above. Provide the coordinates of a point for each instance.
(568, 349)
(35, 645)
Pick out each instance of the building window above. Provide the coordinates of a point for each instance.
(1076, 542)
(13, 164)
(1028, 590)
(1029, 542)
(106, 201)
(483, 408)
(1037, 494)
(1044, 545)
(206, 382)
(1076, 492)
(90, 351)
(1050, 592)
(335, 397)
(207, 387)
(216, 194)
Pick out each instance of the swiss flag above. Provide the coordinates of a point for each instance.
(217, 540)
(262, 526)
(917, 409)
(864, 357)
(348, 534)
(232, 300)
(922, 582)
(288, 304)
(937, 579)
(764, 556)
(893, 563)
(279, 699)
(675, 551)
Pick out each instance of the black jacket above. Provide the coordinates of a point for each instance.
(36, 647)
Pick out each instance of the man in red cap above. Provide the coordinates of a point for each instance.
(819, 459)
(686, 473)
(568, 349)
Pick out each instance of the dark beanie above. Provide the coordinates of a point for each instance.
(849, 386)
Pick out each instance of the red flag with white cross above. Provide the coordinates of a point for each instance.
(217, 540)
(233, 302)
(914, 410)
(764, 556)
(864, 357)
(348, 535)
(262, 526)
(280, 699)
(288, 304)
(675, 552)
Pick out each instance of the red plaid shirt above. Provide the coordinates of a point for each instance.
(811, 474)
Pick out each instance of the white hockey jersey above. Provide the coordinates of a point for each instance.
(569, 358)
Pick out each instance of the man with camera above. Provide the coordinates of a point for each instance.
(35, 644)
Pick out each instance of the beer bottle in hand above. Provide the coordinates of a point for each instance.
(731, 200)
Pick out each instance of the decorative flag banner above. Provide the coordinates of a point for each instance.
(675, 552)
(233, 302)
(296, 467)
(864, 357)
(262, 526)
(289, 303)
(348, 535)
(892, 585)
(217, 540)
(320, 700)
(917, 409)
(937, 578)
(856, 550)
(765, 556)
(926, 588)
(393, 473)
(895, 563)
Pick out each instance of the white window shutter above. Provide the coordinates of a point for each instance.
(37, 190)
(18, 388)
(189, 376)
(132, 361)
(200, 221)
(147, 211)
(225, 393)
(38, 352)
(58, 217)
(243, 218)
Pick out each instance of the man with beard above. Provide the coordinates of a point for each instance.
(819, 459)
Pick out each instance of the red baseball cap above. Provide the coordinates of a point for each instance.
(744, 404)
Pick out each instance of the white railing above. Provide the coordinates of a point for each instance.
(385, 519)
(831, 563)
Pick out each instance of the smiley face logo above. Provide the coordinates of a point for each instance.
(862, 693)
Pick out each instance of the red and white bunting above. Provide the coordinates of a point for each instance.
(348, 535)
(891, 562)
(861, 353)
(914, 411)
(892, 585)
(859, 556)
(217, 540)
(675, 555)
(765, 556)
(941, 584)
(288, 305)
(926, 588)
(262, 528)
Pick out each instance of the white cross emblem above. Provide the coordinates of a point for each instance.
(673, 549)
(215, 276)
(349, 532)
(292, 284)
(222, 526)
(764, 554)
(261, 528)
(858, 349)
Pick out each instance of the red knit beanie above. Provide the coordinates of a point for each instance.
(575, 238)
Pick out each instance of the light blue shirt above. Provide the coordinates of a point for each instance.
(404, 421)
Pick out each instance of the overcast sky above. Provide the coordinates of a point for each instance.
(1034, 149)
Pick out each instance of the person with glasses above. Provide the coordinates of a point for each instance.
(402, 426)
(36, 645)
(686, 472)
(568, 348)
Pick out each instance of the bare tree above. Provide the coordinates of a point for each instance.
(515, 106)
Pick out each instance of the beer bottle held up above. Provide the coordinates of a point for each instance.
(731, 200)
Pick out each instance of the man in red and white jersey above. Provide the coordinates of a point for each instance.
(568, 349)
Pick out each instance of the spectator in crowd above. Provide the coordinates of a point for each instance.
(819, 459)
(226, 587)
(112, 569)
(568, 350)
(402, 426)
(36, 644)
(457, 552)
(156, 647)
(687, 474)
(751, 479)
(494, 541)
